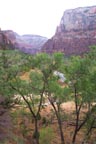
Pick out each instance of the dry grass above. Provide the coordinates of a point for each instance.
(68, 107)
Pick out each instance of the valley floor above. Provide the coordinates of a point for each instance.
(23, 126)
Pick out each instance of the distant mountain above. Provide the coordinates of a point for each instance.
(35, 40)
(26, 43)
(76, 32)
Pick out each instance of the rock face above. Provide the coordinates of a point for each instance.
(35, 41)
(26, 43)
(76, 32)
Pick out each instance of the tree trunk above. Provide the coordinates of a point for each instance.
(36, 132)
(61, 131)
(59, 122)
(76, 128)
(74, 136)
(77, 116)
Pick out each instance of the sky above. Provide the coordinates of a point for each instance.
(39, 17)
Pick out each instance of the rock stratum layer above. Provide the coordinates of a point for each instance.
(76, 32)
(26, 43)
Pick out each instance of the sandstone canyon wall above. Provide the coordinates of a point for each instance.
(26, 43)
(76, 32)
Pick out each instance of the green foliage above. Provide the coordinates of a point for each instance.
(81, 75)
(79, 86)
(46, 135)
(17, 139)
(36, 81)
(9, 68)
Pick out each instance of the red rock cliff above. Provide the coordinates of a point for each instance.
(76, 32)
(26, 43)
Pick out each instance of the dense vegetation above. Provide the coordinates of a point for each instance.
(28, 85)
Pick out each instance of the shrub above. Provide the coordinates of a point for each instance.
(46, 135)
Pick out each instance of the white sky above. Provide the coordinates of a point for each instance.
(36, 16)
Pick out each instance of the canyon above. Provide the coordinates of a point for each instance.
(74, 35)
(27, 43)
